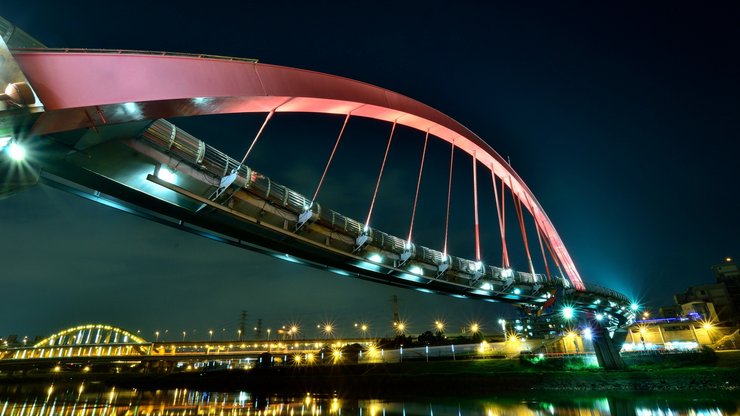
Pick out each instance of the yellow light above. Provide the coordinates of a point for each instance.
(707, 326)
(439, 325)
(334, 405)
(728, 259)
(474, 327)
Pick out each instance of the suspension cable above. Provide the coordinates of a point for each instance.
(331, 156)
(449, 192)
(542, 249)
(259, 133)
(380, 175)
(520, 215)
(501, 223)
(418, 185)
(552, 254)
(475, 204)
(539, 239)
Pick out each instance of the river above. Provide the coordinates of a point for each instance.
(94, 399)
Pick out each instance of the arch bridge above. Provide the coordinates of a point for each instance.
(92, 122)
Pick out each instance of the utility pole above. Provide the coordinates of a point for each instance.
(396, 315)
(242, 324)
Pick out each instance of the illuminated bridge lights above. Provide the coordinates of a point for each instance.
(13, 149)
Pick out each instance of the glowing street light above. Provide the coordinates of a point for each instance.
(210, 335)
(440, 326)
(502, 322)
(587, 333)
(474, 328)
(327, 329)
(183, 335)
(362, 327)
(156, 336)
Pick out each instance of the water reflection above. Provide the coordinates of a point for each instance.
(95, 399)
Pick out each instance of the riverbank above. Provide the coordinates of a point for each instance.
(474, 377)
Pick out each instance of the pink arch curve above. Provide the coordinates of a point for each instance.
(81, 89)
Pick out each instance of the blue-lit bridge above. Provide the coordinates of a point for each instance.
(91, 122)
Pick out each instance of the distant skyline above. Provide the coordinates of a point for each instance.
(623, 120)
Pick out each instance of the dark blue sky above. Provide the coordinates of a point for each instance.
(623, 119)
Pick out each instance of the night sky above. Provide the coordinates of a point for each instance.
(623, 119)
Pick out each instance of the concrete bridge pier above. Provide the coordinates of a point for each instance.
(606, 348)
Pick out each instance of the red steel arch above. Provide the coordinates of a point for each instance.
(80, 89)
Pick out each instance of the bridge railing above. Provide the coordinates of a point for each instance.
(601, 290)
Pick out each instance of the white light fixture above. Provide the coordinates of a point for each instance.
(416, 270)
(166, 175)
(375, 258)
(16, 151)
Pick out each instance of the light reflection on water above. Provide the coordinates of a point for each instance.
(94, 400)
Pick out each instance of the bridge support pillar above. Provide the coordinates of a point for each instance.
(606, 350)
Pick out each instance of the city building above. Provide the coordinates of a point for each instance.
(717, 302)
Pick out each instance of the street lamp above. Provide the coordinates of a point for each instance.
(502, 322)
(210, 335)
(183, 335)
(440, 326)
(156, 336)
(474, 328)
(238, 334)
(400, 327)
(362, 328)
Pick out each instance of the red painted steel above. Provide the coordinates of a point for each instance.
(80, 90)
